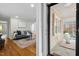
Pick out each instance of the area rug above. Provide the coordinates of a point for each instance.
(23, 43)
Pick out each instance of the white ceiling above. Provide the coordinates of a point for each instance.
(65, 10)
(23, 10)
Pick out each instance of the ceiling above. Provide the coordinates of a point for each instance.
(22, 10)
(65, 10)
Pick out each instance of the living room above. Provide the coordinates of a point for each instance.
(18, 29)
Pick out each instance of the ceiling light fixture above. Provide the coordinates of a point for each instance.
(16, 16)
(32, 5)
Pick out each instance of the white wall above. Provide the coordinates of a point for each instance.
(4, 27)
(45, 31)
(57, 37)
(5, 20)
(39, 29)
(19, 24)
(33, 27)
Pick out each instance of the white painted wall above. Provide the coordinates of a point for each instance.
(57, 37)
(39, 29)
(33, 27)
(19, 24)
(4, 27)
(6, 21)
(45, 31)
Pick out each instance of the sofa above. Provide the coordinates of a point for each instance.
(22, 34)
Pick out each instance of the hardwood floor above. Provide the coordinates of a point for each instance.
(11, 49)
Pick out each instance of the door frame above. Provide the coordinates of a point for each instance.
(77, 29)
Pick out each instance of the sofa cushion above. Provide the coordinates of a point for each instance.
(25, 32)
(22, 33)
(18, 32)
(0, 37)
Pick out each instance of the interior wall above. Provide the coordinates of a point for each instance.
(19, 24)
(57, 37)
(39, 29)
(45, 30)
(3, 19)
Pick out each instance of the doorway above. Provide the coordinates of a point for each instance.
(62, 29)
(3, 27)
